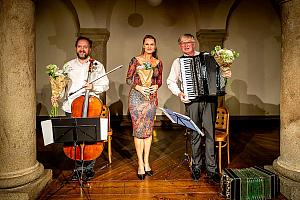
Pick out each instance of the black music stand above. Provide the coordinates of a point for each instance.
(76, 131)
(185, 121)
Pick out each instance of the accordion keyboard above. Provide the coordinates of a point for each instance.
(187, 78)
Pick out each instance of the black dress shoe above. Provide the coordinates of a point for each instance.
(149, 173)
(213, 177)
(196, 173)
(141, 176)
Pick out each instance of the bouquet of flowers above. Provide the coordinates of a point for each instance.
(58, 81)
(224, 58)
(145, 73)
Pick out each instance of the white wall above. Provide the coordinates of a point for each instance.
(253, 30)
(126, 41)
(56, 30)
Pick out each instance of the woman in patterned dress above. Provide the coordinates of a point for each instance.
(145, 77)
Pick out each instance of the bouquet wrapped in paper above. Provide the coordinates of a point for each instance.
(224, 58)
(145, 73)
(58, 81)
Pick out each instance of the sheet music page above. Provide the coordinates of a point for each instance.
(197, 129)
(184, 116)
(47, 132)
(166, 112)
(181, 119)
(103, 128)
(191, 123)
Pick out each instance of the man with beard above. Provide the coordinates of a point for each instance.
(77, 70)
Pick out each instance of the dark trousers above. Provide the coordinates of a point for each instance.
(83, 165)
(203, 113)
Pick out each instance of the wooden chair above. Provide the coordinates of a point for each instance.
(106, 114)
(222, 134)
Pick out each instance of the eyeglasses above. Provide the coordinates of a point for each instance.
(186, 43)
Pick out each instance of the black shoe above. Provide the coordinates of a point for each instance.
(213, 177)
(141, 176)
(196, 173)
(89, 174)
(149, 173)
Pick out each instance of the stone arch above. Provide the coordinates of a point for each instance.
(72, 9)
(215, 13)
(94, 14)
(57, 26)
(231, 10)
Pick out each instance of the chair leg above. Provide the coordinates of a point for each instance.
(228, 153)
(220, 147)
(109, 149)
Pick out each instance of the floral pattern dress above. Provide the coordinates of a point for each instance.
(143, 109)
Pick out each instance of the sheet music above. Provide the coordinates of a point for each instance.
(197, 129)
(47, 132)
(104, 128)
(181, 119)
(165, 111)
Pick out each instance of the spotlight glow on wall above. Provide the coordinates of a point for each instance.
(154, 2)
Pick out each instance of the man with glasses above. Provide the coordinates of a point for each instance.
(202, 112)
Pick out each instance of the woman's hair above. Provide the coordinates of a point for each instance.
(154, 54)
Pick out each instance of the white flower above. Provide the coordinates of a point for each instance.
(59, 73)
(58, 80)
(140, 67)
(224, 56)
(229, 53)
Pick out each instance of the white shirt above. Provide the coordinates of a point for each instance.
(78, 74)
(175, 75)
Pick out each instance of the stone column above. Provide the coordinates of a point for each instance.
(21, 175)
(288, 163)
(99, 36)
(208, 39)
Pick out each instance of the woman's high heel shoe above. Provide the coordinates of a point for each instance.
(149, 173)
(141, 173)
(141, 176)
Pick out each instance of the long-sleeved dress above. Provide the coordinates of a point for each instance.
(143, 109)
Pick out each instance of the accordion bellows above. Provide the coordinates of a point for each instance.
(249, 183)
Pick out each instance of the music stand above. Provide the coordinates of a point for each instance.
(181, 119)
(79, 130)
(76, 131)
(185, 121)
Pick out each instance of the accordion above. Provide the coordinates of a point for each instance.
(201, 76)
(249, 183)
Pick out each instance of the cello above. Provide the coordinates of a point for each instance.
(86, 106)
